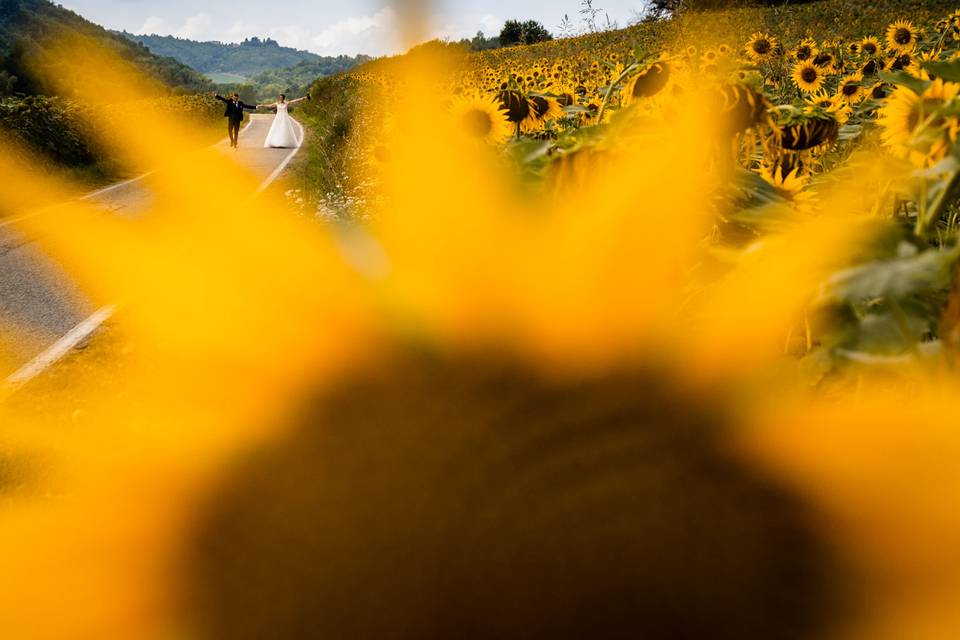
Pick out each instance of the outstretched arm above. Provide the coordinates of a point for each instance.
(220, 98)
(306, 97)
(253, 107)
(267, 106)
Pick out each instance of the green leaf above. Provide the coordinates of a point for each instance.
(949, 71)
(896, 278)
(902, 78)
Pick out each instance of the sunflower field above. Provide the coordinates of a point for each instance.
(794, 116)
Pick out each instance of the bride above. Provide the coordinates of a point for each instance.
(282, 132)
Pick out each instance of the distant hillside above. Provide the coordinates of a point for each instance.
(246, 58)
(25, 23)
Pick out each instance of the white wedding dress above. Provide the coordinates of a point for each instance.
(282, 132)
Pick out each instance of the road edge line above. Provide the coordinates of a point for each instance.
(65, 344)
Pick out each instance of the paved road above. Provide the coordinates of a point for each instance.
(39, 303)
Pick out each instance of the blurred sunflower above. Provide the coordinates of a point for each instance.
(761, 47)
(903, 36)
(791, 185)
(807, 76)
(484, 118)
(647, 83)
(919, 127)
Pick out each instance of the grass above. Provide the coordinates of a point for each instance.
(324, 174)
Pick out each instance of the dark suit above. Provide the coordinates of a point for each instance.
(234, 115)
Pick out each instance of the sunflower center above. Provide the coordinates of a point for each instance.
(803, 53)
(762, 46)
(651, 81)
(448, 497)
(809, 75)
(870, 48)
(902, 36)
(477, 123)
(850, 89)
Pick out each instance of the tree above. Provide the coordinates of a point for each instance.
(529, 32)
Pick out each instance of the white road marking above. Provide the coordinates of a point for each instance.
(54, 352)
(86, 327)
(93, 194)
(283, 165)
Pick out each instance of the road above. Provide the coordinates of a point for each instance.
(43, 312)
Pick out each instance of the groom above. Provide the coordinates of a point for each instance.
(234, 115)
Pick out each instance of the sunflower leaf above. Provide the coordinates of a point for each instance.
(902, 78)
(896, 278)
(949, 71)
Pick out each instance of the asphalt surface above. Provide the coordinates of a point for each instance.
(39, 302)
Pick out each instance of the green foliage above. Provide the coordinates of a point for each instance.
(530, 32)
(60, 132)
(338, 106)
(248, 58)
(25, 24)
(294, 81)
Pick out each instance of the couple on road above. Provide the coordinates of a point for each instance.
(281, 135)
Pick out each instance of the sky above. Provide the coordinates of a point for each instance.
(324, 26)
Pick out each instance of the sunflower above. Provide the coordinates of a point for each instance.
(807, 76)
(723, 50)
(461, 417)
(647, 83)
(516, 105)
(850, 88)
(806, 50)
(790, 185)
(825, 103)
(484, 119)
(853, 49)
(761, 47)
(901, 61)
(902, 36)
(814, 133)
(871, 67)
(870, 46)
(915, 126)
(824, 59)
(878, 91)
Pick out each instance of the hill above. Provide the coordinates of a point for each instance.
(293, 81)
(24, 24)
(246, 58)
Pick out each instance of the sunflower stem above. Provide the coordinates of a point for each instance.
(606, 97)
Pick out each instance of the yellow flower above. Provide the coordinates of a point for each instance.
(482, 118)
(851, 89)
(915, 127)
(807, 76)
(761, 47)
(870, 46)
(902, 36)
(647, 83)
(806, 50)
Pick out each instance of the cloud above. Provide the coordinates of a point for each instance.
(491, 24)
(289, 35)
(152, 25)
(372, 34)
(194, 27)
